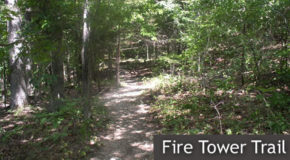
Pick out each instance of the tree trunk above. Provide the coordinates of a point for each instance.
(257, 72)
(68, 69)
(4, 92)
(84, 53)
(199, 62)
(98, 77)
(147, 52)
(57, 86)
(179, 48)
(110, 60)
(154, 50)
(243, 60)
(168, 47)
(85, 64)
(18, 86)
(118, 62)
(243, 67)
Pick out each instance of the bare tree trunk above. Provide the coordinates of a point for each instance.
(78, 73)
(57, 86)
(85, 63)
(98, 77)
(154, 50)
(28, 70)
(257, 72)
(179, 48)
(243, 67)
(84, 52)
(199, 62)
(118, 61)
(110, 60)
(17, 75)
(4, 92)
(168, 47)
(68, 69)
(243, 60)
(147, 52)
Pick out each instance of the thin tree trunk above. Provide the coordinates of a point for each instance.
(118, 61)
(243, 67)
(68, 69)
(284, 59)
(199, 62)
(98, 77)
(257, 74)
(78, 73)
(4, 93)
(154, 50)
(110, 60)
(179, 48)
(147, 51)
(18, 86)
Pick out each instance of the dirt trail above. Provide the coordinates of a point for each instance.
(129, 136)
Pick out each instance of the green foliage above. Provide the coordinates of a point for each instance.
(4, 17)
(169, 59)
(277, 122)
(182, 108)
(66, 132)
(230, 51)
(280, 101)
(236, 52)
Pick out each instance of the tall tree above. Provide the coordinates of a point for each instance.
(85, 62)
(18, 84)
(57, 86)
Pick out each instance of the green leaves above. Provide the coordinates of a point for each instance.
(169, 60)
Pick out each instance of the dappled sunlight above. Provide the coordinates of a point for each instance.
(97, 79)
(146, 146)
(17, 118)
(128, 93)
(142, 109)
(156, 82)
(119, 133)
(129, 135)
(63, 133)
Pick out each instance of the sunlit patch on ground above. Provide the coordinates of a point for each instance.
(129, 135)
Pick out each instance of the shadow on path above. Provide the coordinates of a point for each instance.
(129, 136)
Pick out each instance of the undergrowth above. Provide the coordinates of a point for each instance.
(64, 134)
(182, 106)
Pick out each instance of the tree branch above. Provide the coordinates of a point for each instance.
(219, 115)
(9, 44)
(124, 49)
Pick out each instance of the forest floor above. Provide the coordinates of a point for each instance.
(130, 133)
